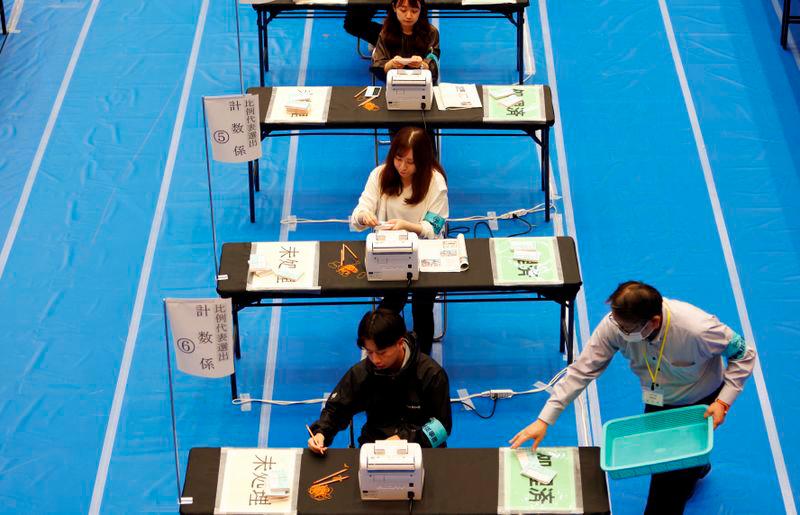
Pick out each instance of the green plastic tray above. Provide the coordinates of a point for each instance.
(657, 442)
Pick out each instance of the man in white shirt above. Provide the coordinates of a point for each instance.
(677, 351)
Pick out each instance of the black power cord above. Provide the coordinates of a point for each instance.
(485, 417)
(529, 229)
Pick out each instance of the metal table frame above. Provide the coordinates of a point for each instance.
(787, 19)
(233, 266)
(332, 128)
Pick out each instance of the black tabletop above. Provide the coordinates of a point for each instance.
(478, 279)
(344, 113)
(457, 481)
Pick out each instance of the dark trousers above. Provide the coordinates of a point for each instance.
(669, 491)
(358, 22)
(421, 310)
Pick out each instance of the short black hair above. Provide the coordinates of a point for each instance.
(635, 301)
(382, 326)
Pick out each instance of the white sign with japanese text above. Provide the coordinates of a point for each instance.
(283, 265)
(234, 128)
(202, 336)
(258, 481)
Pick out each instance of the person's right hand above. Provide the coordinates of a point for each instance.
(317, 444)
(395, 62)
(535, 431)
(368, 219)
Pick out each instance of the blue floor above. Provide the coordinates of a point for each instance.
(676, 157)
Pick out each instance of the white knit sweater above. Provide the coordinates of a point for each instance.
(386, 207)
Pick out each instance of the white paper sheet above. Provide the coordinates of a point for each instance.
(247, 477)
(456, 96)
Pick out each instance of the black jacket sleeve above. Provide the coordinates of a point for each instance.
(435, 404)
(341, 406)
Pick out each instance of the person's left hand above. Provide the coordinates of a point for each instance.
(717, 411)
(396, 224)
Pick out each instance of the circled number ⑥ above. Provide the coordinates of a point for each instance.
(185, 345)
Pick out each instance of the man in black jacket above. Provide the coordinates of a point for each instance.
(405, 393)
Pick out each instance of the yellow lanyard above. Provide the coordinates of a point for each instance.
(660, 352)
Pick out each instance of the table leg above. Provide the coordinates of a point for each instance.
(570, 330)
(251, 189)
(261, 38)
(562, 336)
(785, 22)
(3, 17)
(234, 389)
(237, 350)
(546, 171)
(520, 49)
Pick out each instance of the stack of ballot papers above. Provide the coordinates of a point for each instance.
(531, 468)
(299, 102)
(505, 96)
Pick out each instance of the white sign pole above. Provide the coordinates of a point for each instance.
(239, 46)
(210, 195)
(181, 500)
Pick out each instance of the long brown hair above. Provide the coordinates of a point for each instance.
(425, 163)
(392, 31)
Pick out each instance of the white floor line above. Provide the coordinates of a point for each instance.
(790, 42)
(13, 20)
(144, 276)
(45, 140)
(730, 263)
(566, 195)
(288, 192)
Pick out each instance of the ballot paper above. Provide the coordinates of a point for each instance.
(530, 466)
(443, 255)
(456, 96)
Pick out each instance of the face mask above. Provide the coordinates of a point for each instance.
(636, 336)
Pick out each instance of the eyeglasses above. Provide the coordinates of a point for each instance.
(622, 329)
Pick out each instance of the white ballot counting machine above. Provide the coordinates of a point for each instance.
(392, 256)
(391, 470)
(409, 90)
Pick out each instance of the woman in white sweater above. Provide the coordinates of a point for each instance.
(408, 191)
